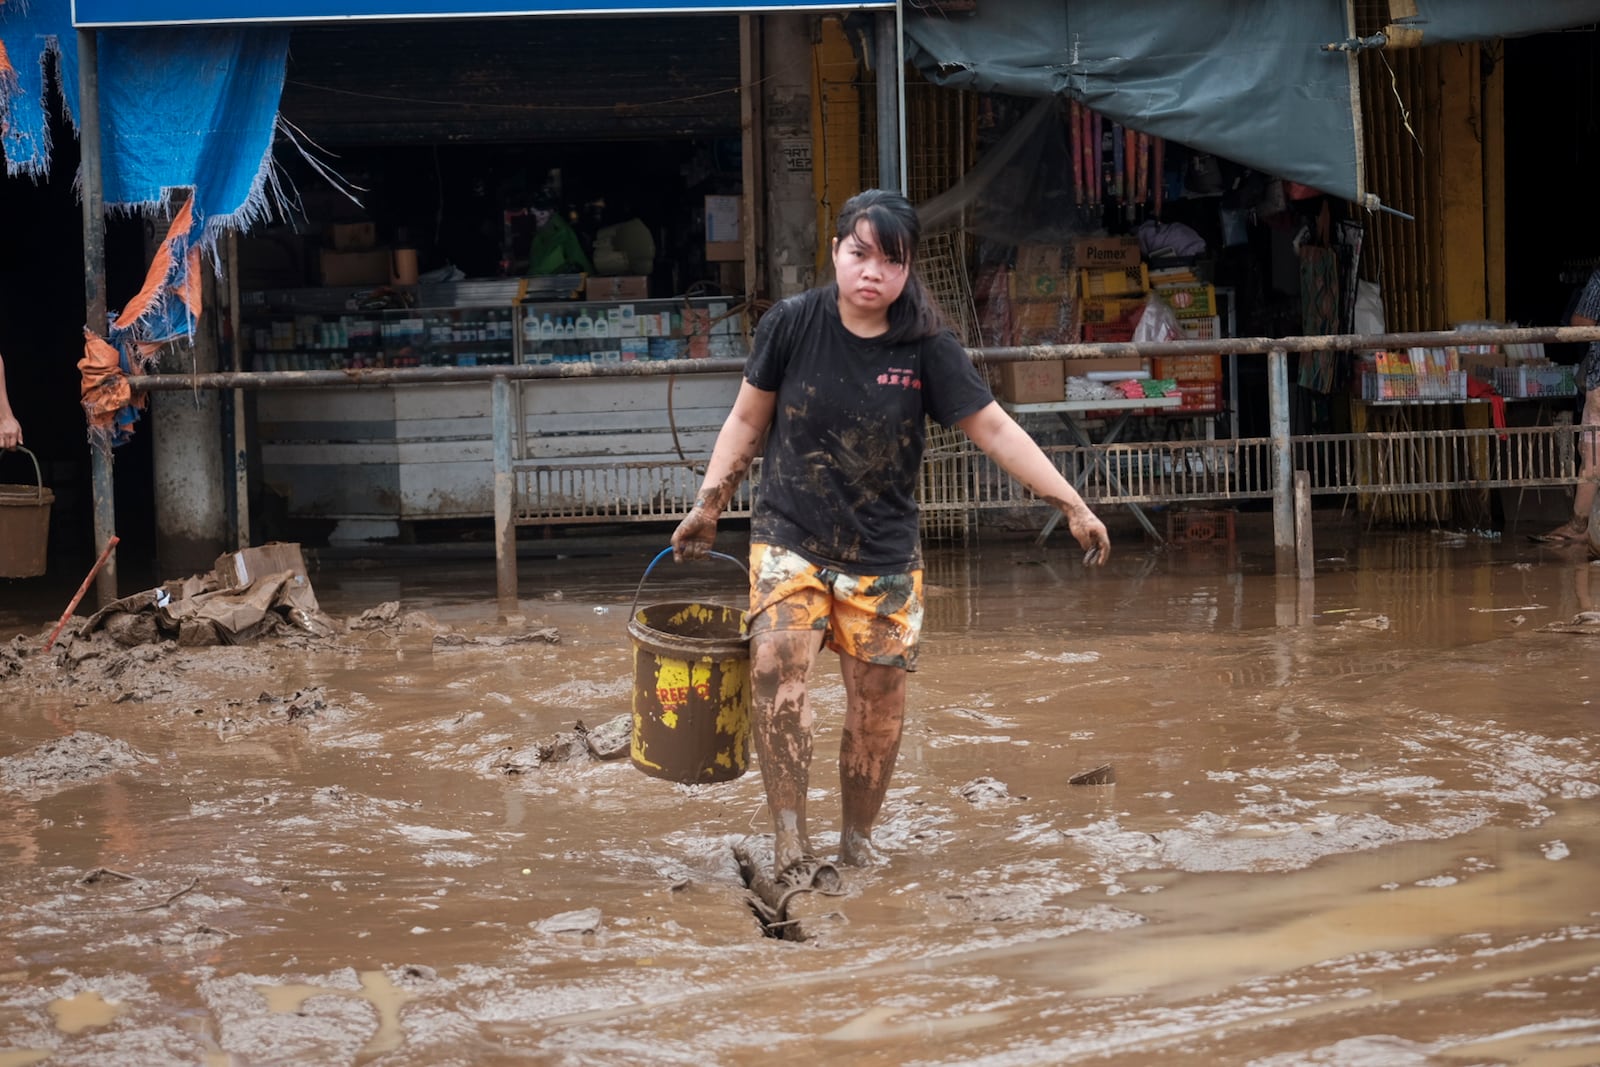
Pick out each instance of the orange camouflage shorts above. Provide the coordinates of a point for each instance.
(872, 618)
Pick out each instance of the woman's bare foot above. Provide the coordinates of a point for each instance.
(855, 850)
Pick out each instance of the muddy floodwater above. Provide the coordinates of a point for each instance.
(1352, 823)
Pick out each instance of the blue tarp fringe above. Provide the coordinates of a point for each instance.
(190, 108)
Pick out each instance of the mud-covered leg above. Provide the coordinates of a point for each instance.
(782, 721)
(874, 717)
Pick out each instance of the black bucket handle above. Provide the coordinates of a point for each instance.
(663, 554)
(38, 476)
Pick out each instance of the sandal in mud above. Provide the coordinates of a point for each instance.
(807, 875)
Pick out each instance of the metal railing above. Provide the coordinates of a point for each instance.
(526, 491)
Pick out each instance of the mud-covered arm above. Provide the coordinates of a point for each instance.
(738, 442)
(1009, 445)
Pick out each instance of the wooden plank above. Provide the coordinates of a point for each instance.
(446, 490)
(442, 401)
(622, 448)
(325, 405)
(696, 420)
(321, 454)
(630, 394)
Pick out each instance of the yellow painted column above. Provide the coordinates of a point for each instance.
(836, 132)
(1460, 173)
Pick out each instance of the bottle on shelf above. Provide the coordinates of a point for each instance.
(547, 328)
(584, 325)
(602, 325)
(530, 327)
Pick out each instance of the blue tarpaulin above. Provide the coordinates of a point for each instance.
(179, 109)
(192, 109)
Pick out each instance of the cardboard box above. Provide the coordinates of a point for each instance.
(1040, 285)
(723, 235)
(618, 287)
(238, 570)
(1032, 381)
(1099, 253)
(353, 236)
(1039, 323)
(355, 268)
(1040, 259)
(1194, 368)
(1482, 365)
(1078, 368)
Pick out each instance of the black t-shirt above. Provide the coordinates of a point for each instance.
(839, 475)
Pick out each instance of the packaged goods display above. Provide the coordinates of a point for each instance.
(550, 333)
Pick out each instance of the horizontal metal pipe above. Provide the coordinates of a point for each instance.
(1236, 346)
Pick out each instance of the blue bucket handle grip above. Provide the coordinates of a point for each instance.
(663, 554)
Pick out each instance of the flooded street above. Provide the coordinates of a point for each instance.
(1353, 824)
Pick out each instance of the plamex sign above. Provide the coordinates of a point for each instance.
(108, 13)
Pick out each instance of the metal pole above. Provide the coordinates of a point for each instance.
(240, 458)
(1282, 461)
(900, 93)
(886, 56)
(94, 290)
(505, 529)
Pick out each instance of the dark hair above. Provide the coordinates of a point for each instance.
(914, 314)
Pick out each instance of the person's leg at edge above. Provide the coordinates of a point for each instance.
(1583, 497)
(875, 715)
(1589, 448)
(782, 720)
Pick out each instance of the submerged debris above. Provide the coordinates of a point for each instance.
(1101, 775)
(453, 640)
(985, 791)
(586, 922)
(79, 757)
(608, 741)
(786, 906)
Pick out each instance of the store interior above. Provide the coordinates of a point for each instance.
(448, 201)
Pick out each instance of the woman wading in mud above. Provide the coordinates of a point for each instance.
(839, 384)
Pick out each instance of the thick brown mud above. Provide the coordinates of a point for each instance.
(1352, 822)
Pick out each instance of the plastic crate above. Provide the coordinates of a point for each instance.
(1107, 332)
(1207, 328)
(1190, 527)
(1114, 281)
(1190, 301)
(1110, 308)
(1535, 381)
(1200, 397)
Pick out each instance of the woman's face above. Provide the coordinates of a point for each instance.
(869, 281)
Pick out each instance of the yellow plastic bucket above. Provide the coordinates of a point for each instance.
(24, 525)
(691, 688)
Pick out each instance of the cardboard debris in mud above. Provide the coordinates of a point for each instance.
(250, 593)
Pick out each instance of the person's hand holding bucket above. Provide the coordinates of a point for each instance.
(695, 535)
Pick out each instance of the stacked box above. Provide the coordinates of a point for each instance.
(1031, 381)
(1041, 297)
(1190, 301)
(1191, 368)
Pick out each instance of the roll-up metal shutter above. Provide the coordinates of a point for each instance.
(516, 80)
